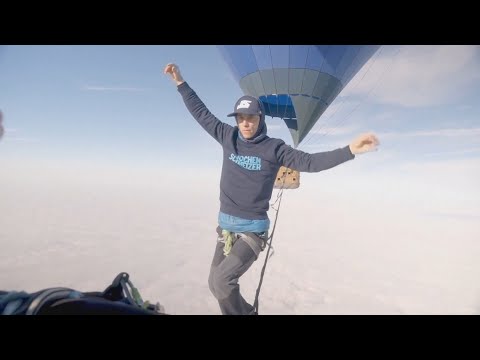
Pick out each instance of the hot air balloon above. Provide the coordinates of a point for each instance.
(296, 83)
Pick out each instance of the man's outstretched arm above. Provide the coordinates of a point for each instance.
(216, 128)
(306, 162)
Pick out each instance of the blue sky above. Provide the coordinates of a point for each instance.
(114, 102)
(113, 106)
(107, 103)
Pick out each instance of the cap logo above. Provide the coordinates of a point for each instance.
(244, 104)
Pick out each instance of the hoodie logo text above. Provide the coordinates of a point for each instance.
(247, 162)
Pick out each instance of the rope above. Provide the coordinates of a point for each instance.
(279, 199)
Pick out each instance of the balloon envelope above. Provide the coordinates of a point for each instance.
(296, 83)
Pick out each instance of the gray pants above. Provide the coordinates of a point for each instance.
(226, 270)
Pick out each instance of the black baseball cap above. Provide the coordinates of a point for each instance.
(247, 105)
